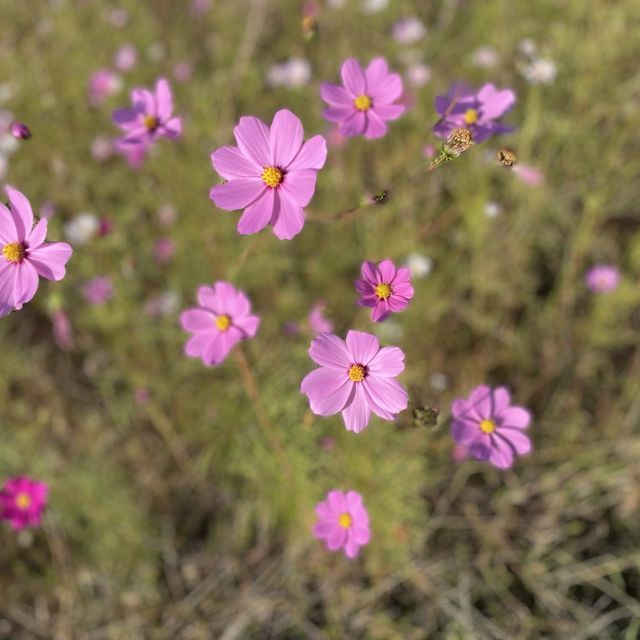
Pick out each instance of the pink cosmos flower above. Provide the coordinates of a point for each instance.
(603, 278)
(102, 84)
(163, 250)
(355, 377)
(343, 522)
(25, 256)
(490, 426)
(222, 320)
(134, 154)
(98, 290)
(477, 111)
(318, 323)
(384, 288)
(529, 175)
(366, 101)
(62, 331)
(125, 58)
(271, 174)
(22, 501)
(151, 116)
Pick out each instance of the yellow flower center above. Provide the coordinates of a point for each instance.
(471, 116)
(362, 103)
(151, 123)
(357, 372)
(223, 323)
(383, 290)
(14, 252)
(345, 520)
(272, 176)
(23, 501)
(487, 426)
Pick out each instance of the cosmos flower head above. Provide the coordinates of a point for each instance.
(24, 256)
(22, 502)
(103, 84)
(98, 290)
(318, 322)
(150, 117)
(477, 111)
(408, 30)
(366, 100)
(603, 278)
(271, 174)
(385, 288)
(343, 522)
(490, 426)
(356, 377)
(222, 319)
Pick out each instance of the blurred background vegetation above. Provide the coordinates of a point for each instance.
(170, 516)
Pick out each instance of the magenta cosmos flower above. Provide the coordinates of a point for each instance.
(25, 256)
(477, 111)
(366, 101)
(603, 278)
(151, 116)
(343, 522)
(271, 174)
(490, 426)
(384, 288)
(22, 501)
(222, 320)
(355, 377)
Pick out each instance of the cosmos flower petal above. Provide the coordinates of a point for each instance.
(50, 259)
(230, 163)
(285, 137)
(353, 77)
(324, 529)
(198, 344)
(481, 400)
(337, 114)
(480, 448)
(197, 320)
(515, 417)
(172, 128)
(21, 212)
(252, 136)
(354, 500)
(38, 234)
(501, 400)
(164, 100)
(501, 455)
(361, 534)
(354, 125)
(25, 283)
(387, 271)
(516, 438)
(300, 185)
(351, 548)
(464, 431)
(375, 126)
(336, 539)
(312, 154)
(259, 213)
(380, 311)
(336, 95)
(8, 231)
(387, 92)
(288, 217)
(389, 111)
(494, 103)
(362, 346)
(357, 414)
(7, 278)
(248, 325)
(126, 116)
(238, 193)
(376, 74)
(387, 394)
(387, 363)
(337, 501)
(330, 351)
(328, 391)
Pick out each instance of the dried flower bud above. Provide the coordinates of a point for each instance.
(310, 27)
(506, 157)
(380, 197)
(459, 141)
(425, 417)
(20, 131)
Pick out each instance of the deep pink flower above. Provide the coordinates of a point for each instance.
(366, 101)
(477, 111)
(98, 290)
(343, 522)
(102, 84)
(22, 501)
(490, 426)
(25, 255)
(151, 116)
(222, 320)
(163, 250)
(318, 323)
(603, 278)
(271, 174)
(355, 377)
(384, 288)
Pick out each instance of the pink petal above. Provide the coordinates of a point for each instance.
(338, 114)
(362, 346)
(238, 193)
(38, 234)
(225, 293)
(495, 103)
(380, 311)
(8, 232)
(387, 363)
(6, 287)
(501, 455)
(172, 128)
(370, 272)
(258, 214)
(230, 163)
(388, 397)
(25, 285)
(164, 100)
(21, 212)
(356, 415)
(480, 400)
(464, 431)
(337, 538)
(501, 400)
(515, 417)
(336, 95)
(300, 185)
(324, 529)
(481, 448)
(355, 125)
(197, 320)
(288, 217)
(198, 344)
(325, 512)
(221, 345)
(398, 302)
(388, 91)
(388, 111)
(285, 137)
(125, 117)
(207, 298)
(328, 391)
(312, 155)
(375, 74)
(352, 548)
(330, 351)
(248, 325)
(238, 304)
(387, 271)
(361, 534)
(252, 136)
(352, 77)
(376, 127)
(354, 500)
(145, 99)
(50, 259)
(337, 501)
(516, 438)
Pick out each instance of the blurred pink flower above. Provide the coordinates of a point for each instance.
(134, 154)
(200, 7)
(20, 131)
(183, 71)
(490, 426)
(366, 101)
(22, 501)
(408, 30)
(317, 321)
(102, 84)
(25, 255)
(271, 174)
(167, 215)
(428, 151)
(356, 377)
(125, 58)
(343, 522)
(62, 332)
(418, 75)
(119, 18)
(384, 288)
(105, 226)
(101, 148)
(603, 278)
(163, 250)
(528, 175)
(221, 321)
(142, 396)
(460, 453)
(98, 290)
(335, 140)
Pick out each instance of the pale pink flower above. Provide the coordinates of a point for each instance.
(103, 84)
(603, 278)
(98, 290)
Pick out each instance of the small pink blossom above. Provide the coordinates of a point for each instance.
(24, 255)
(408, 30)
(183, 71)
(22, 501)
(367, 99)
(356, 377)
(200, 7)
(418, 75)
(603, 278)
(62, 332)
(221, 321)
(343, 522)
(528, 175)
(134, 154)
(490, 426)
(384, 288)
(125, 58)
(318, 323)
(20, 131)
(103, 84)
(428, 151)
(98, 290)
(164, 250)
(101, 148)
(271, 174)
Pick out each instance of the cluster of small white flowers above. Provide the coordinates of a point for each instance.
(535, 68)
(295, 72)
